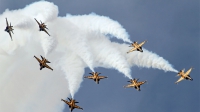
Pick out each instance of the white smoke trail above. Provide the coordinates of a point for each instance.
(145, 59)
(100, 24)
(108, 56)
(73, 44)
(48, 44)
(22, 86)
(73, 68)
(73, 38)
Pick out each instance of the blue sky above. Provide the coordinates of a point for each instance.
(172, 30)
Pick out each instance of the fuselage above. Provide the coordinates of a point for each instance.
(42, 27)
(72, 105)
(135, 83)
(8, 28)
(136, 45)
(187, 77)
(43, 63)
(184, 75)
(95, 76)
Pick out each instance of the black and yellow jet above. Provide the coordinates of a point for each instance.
(134, 83)
(43, 63)
(9, 28)
(95, 76)
(42, 26)
(72, 104)
(136, 46)
(184, 75)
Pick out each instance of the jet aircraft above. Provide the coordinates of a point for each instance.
(72, 104)
(184, 75)
(134, 83)
(43, 63)
(9, 28)
(136, 46)
(42, 26)
(95, 76)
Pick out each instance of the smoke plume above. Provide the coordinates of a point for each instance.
(76, 42)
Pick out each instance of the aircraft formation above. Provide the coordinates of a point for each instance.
(95, 75)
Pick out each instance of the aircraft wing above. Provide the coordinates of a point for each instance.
(129, 85)
(89, 77)
(7, 22)
(66, 102)
(10, 35)
(102, 77)
(180, 79)
(46, 31)
(140, 83)
(37, 22)
(76, 106)
(141, 44)
(47, 66)
(188, 72)
(37, 59)
(133, 49)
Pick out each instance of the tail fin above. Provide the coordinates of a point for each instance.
(48, 61)
(97, 81)
(41, 67)
(42, 57)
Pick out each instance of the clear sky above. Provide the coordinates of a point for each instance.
(172, 30)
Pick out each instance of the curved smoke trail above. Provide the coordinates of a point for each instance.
(100, 24)
(76, 42)
(145, 59)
